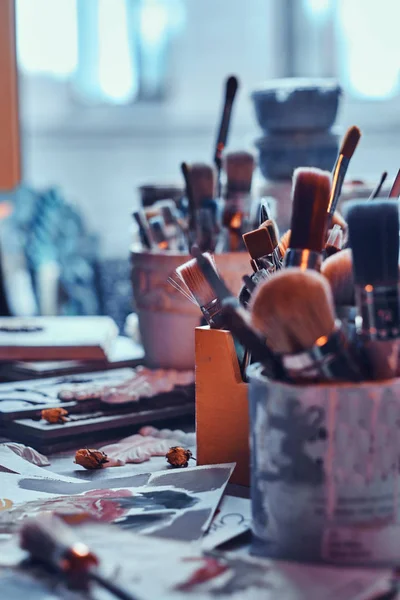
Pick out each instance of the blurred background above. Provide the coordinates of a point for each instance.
(116, 93)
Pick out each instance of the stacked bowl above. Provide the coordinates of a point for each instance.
(296, 116)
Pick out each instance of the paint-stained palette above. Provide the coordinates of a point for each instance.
(101, 405)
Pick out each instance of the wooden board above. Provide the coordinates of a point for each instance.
(79, 435)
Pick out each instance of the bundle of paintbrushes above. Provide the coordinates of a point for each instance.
(215, 224)
(323, 302)
(218, 207)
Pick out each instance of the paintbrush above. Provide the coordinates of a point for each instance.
(144, 230)
(260, 247)
(338, 269)
(236, 319)
(310, 193)
(337, 219)
(192, 223)
(201, 290)
(175, 227)
(202, 178)
(158, 233)
(347, 149)
(50, 542)
(207, 298)
(377, 189)
(284, 242)
(334, 243)
(277, 256)
(236, 217)
(247, 289)
(395, 189)
(294, 310)
(231, 87)
(239, 168)
(374, 240)
(264, 211)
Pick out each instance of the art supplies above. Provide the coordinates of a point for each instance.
(97, 405)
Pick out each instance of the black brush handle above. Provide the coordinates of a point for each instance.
(230, 93)
(192, 222)
(235, 320)
(144, 230)
(215, 281)
(264, 211)
(377, 189)
(112, 587)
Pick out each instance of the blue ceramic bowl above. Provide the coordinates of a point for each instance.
(292, 104)
(280, 154)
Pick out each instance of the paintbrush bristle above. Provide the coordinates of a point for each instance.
(338, 269)
(293, 310)
(374, 240)
(239, 168)
(195, 281)
(258, 243)
(202, 180)
(270, 225)
(284, 242)
(310, 192)
(232, 85)
(350, 142)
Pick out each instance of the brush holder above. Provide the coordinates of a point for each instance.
(325, 470)
(222, 413)
(167, 320)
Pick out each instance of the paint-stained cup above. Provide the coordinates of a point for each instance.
(167, 319)
(325, 470)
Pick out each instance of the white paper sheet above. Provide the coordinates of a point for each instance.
(174, 504)
(233, 517)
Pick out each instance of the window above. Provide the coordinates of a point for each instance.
(369, 44)
(111, 51)
(171, 56)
